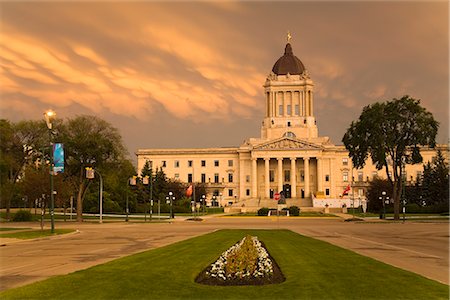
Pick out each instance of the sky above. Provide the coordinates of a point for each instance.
(191, 74)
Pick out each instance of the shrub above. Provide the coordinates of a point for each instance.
(294, 211)
(264, 211)
(22, 216)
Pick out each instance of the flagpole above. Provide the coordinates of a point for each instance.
(193, 187)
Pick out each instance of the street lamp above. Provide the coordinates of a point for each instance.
(90, 175)
(214, 200)
(204, 203)
(385, 200)
(170, 199)
(48, 117)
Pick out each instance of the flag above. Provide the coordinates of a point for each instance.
(189, 191)
(347, 189)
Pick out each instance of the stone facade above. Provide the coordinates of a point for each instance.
(290, 156)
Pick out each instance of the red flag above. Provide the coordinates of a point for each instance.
(347, 189)
(189, 191)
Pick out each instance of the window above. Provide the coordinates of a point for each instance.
(203, 163)
(247, 178)
(177, 164)
(289, 124)
(297, 110)
(177, 176)
(203, 177)
(360, 176)
(216, 163)
(302, 176)
(271, 175)
(230, 163)
(289, 110)
(327, 192)
(190, 163)
(189, 177)
(280, 110)
(247, 192)
(230, 193)
(230, 177)
(287, 175)
(150, 164)
(163, 163)
(216, 178)
(345, 161)
(327, 177)
(345, 176)
(289, 134)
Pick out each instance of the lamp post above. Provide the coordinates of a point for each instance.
(204, 203)
(385, 200)
(90, 175)
(169, 200)
(214, 200)
(49, 116)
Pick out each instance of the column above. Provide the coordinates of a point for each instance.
(254, 179)
(280, 174)
(266, 178)
(306, 164)
(293, 179)
(242, 182)
(319, 175)
(332, 179)
(274, 104)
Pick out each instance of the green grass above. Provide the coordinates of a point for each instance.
(11, 228)
(25, 235)
(314, 270)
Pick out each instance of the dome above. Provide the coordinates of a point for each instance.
(288, 63)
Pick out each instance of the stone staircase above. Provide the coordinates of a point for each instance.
(252, 205)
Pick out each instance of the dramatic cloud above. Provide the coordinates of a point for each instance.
(191, 74)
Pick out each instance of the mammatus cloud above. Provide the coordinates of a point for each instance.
(205, 63)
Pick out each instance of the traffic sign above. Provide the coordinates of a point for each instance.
(276, 196)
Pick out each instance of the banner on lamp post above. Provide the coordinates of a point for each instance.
(58, 158)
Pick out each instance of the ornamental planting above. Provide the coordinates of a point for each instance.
(244, 260)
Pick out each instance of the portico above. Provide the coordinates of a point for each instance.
(287, 172)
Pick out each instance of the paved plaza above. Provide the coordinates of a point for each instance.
(420, 247)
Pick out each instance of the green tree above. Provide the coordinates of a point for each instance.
(391, 133)
(89, 141)
(21, 144)
(435, 184)
(374, 192)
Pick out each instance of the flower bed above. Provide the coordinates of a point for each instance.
(245, 263)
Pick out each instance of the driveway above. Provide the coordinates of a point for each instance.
(418, 247)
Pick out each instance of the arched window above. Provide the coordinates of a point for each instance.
(289, 134)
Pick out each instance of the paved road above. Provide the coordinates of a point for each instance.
(418, 247)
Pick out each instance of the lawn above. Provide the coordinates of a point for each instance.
(11, 228)
(314, 270)
(33, 234)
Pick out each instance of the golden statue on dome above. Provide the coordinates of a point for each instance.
(289, 36)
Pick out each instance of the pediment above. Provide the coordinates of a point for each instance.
(287, 143)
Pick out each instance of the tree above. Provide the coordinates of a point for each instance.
(374, 192)
(435, 184)
(89, 141)
(391, 133)
(21, 144)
